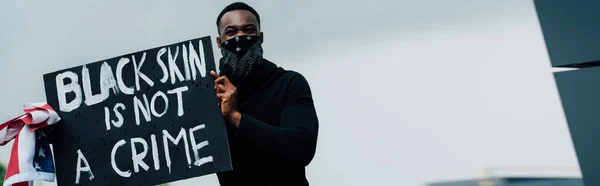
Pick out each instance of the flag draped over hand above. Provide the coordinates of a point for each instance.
(30, 158)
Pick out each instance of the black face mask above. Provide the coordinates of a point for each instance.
(240, 55)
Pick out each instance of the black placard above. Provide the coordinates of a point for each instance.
(156, 106)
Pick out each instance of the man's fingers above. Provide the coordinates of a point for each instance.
(223, 80)
(220, 96)
(221, 88)
(214, 74)
(220, 80)
(226, 81)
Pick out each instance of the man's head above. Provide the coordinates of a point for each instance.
(240, 42)
(237, 19)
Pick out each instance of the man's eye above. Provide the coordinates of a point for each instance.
(229, 32)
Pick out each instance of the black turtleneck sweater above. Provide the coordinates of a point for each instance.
(277, 135)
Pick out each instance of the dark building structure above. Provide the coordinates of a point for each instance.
(571, 31)
(514, 181)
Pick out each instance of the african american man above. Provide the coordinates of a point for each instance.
(270, 117)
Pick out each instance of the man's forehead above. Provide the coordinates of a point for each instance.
(238, 17)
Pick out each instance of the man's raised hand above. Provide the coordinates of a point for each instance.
(226, 95)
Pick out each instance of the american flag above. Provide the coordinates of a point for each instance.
(30, 158)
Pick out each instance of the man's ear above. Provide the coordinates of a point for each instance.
(262, 37)
(219, 42)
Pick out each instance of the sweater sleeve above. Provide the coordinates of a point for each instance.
(294, 141)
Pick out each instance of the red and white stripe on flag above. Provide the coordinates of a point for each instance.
(30, 158)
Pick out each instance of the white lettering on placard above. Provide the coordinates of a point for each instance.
(154, 152)
(162, 65)
(138, 159)
(107, 118)
(90, 98)
(179, 91)
(145, 108)
(173, 66)
(175, 141)
(138, 156)
(196, 147)
(82, 168)
(186, 65)
(107, 81)
(121, 173)
(120, 120)
(125, 89)
(195, 62)
(62, 89)
(153, 101)
(138, 74)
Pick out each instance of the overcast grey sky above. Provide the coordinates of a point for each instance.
(407, 92)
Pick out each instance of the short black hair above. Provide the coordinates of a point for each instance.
(236, 6)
